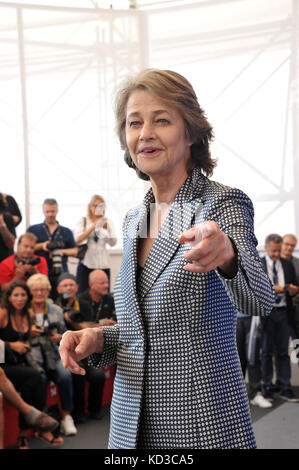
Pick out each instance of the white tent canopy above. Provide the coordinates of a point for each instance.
(59, 67)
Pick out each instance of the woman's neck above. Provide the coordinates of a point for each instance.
(39, 307)
(18, 313)
(166, 188)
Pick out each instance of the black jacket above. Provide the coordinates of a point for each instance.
(289, 278)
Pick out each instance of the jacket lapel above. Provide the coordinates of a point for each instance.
(133, 229)
(185, 211)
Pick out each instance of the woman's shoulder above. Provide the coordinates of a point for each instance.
(53, 308)
(220, 190)
(3, 317)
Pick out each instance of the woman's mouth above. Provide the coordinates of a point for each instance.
(149, 151)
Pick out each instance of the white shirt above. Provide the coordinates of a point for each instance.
(281, 280)
(96, 256)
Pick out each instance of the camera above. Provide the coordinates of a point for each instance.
(46, 346)
(64, 297)
(55, 246)
(31, 261)
(50, 329)
(74, 315)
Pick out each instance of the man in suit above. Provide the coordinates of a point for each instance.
(288, 246)
(277, 325)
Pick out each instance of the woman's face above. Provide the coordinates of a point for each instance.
(155, 135)
(39, 292)
(98, 208)
(18, 298)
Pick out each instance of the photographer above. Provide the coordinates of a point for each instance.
(78, 315)
(54, 242)
(94, 232)
(46, 331)
(15, 324)
(23, 264)
(7, 229)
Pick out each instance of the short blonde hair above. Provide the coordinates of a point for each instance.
(174, 90)
(39, 278)
(28, 235)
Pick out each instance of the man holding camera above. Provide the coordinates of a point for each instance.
(54, 242)
(23, 264)
(277, 331)
(78, 315)
(99, 299)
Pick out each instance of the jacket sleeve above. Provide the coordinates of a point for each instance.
(111, 334)
(251, 290)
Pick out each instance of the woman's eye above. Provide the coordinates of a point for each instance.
(163, 121)
(134, 123)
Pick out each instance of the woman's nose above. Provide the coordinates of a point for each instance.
(146, 131)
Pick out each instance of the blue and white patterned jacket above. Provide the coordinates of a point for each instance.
(178, 382)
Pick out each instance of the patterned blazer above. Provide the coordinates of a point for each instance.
(178, 382)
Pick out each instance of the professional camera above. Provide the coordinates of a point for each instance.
(54, 247)
(46, 346)
(74, 315)
(31, 261)
(64, 298)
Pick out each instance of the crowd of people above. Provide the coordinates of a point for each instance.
(40, 300)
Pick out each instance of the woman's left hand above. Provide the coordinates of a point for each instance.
(210, 249)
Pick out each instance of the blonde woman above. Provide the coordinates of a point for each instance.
(48, 324)
(96, 232)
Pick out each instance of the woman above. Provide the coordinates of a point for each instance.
(189, 262)
(15, 324)
(46, 331)
(96, 231)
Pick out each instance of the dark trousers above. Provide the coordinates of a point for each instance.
(29, 383)
(96, 378)
(254, 371)
(276, 340)
(82, 277)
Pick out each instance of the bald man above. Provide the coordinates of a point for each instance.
(98, 297)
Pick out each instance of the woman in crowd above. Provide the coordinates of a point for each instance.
(96, 232)
(19, 367)
(189, 262)
(46, 332)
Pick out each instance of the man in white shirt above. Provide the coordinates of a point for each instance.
(277, 325)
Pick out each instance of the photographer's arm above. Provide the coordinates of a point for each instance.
(18, 275)
(84, 235)
(69, 251)
(77, 325)
(41, 246)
